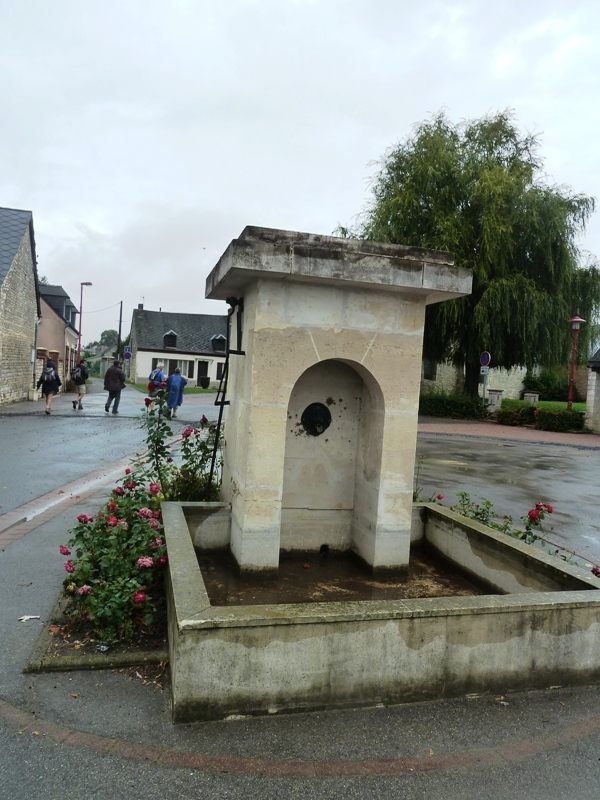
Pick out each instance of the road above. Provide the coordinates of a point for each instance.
(107, 735)
(514, 475)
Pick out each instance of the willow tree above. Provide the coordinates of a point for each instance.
(476, 189)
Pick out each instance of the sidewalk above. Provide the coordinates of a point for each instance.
(106, 734)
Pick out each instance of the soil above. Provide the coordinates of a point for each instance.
(331, 576)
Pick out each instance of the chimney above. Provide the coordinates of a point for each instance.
(140, 306)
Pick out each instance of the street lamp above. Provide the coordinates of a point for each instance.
(83, 283)
(575, 323)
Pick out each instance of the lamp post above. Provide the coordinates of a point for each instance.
(83, 283)
(575, 323)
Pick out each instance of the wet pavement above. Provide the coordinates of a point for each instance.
(107, 734)
(514, 468)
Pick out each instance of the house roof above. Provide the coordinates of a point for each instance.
(194, 331)
(14, 224)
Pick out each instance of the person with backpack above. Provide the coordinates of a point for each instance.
(114, 381)
(49, 382)
(156, 380)
(79, 375)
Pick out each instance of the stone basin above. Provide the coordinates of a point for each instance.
(538, 626)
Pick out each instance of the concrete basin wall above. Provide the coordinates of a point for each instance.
(255, 659)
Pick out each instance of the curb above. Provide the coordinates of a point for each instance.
(41, 661)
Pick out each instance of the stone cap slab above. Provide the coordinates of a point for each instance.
(268, 253)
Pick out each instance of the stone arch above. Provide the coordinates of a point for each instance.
(332, 462)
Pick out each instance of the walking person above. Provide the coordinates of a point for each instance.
(157, 381)
(79, 374)
(114, 382)
(49, 382)
(176, 383)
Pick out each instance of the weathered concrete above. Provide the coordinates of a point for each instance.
(337, 324)
(253, 659)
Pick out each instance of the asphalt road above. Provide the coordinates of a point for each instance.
(107, 735)
(514, 476)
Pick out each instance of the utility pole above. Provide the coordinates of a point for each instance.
(119, 333)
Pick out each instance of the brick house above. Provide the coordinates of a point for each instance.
(20, 308)
(193, 342)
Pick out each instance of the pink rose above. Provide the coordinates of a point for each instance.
(139, 598)
(84, 590)
(144, 562)
(124, 524)
(84, 519)
(203, 420)
(127, 471)
(187, 432)
(156, 543)
(145, 513)
(112, 506)
(69, 566)
(120, 491)
(439, 497)
(162, 561)
(112, 521)
(154, 524)
(154, 489)
(130, 485)
(64, 550)
(534, 514)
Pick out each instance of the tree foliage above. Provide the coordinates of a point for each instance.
(476, 189)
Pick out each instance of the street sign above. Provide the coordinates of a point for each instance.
(484, 370)
(485, 358)
(127, 355)
(127, 349)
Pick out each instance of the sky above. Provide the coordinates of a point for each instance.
(144, 135)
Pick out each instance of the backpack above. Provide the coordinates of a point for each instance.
(49, 375)
(154, 380)
(76, 375)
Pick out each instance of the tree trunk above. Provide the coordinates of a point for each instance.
(472, 378)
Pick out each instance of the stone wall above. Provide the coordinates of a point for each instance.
(18, 316)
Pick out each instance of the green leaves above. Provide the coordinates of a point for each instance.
(477, 190)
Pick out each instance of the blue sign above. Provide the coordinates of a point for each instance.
(485, 358)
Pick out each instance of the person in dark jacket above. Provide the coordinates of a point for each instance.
(49, 382)
(80, 375)
(114, 381)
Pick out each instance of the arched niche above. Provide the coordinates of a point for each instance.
(332, 464)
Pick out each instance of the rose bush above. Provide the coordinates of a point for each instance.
(116, 558)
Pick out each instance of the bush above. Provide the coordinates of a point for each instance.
(117, 556)
(551, 384)
(515, 412)
(115, 581)
(559, 420)
(456, 406)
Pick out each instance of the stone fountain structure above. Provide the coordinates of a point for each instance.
(321, 430)
(320, 435)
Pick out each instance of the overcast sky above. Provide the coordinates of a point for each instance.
(145, 134)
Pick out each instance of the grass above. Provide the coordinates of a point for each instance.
(143, 387)
(558, 405)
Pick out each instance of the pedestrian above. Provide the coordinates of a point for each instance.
(156, 380)
(176, 383)
(79, 374)
(49, 382)
(114, 381)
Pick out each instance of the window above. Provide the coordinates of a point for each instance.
(170, 339)
(218, 343)
(202, 369)
(429, 370)
(220, 368)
